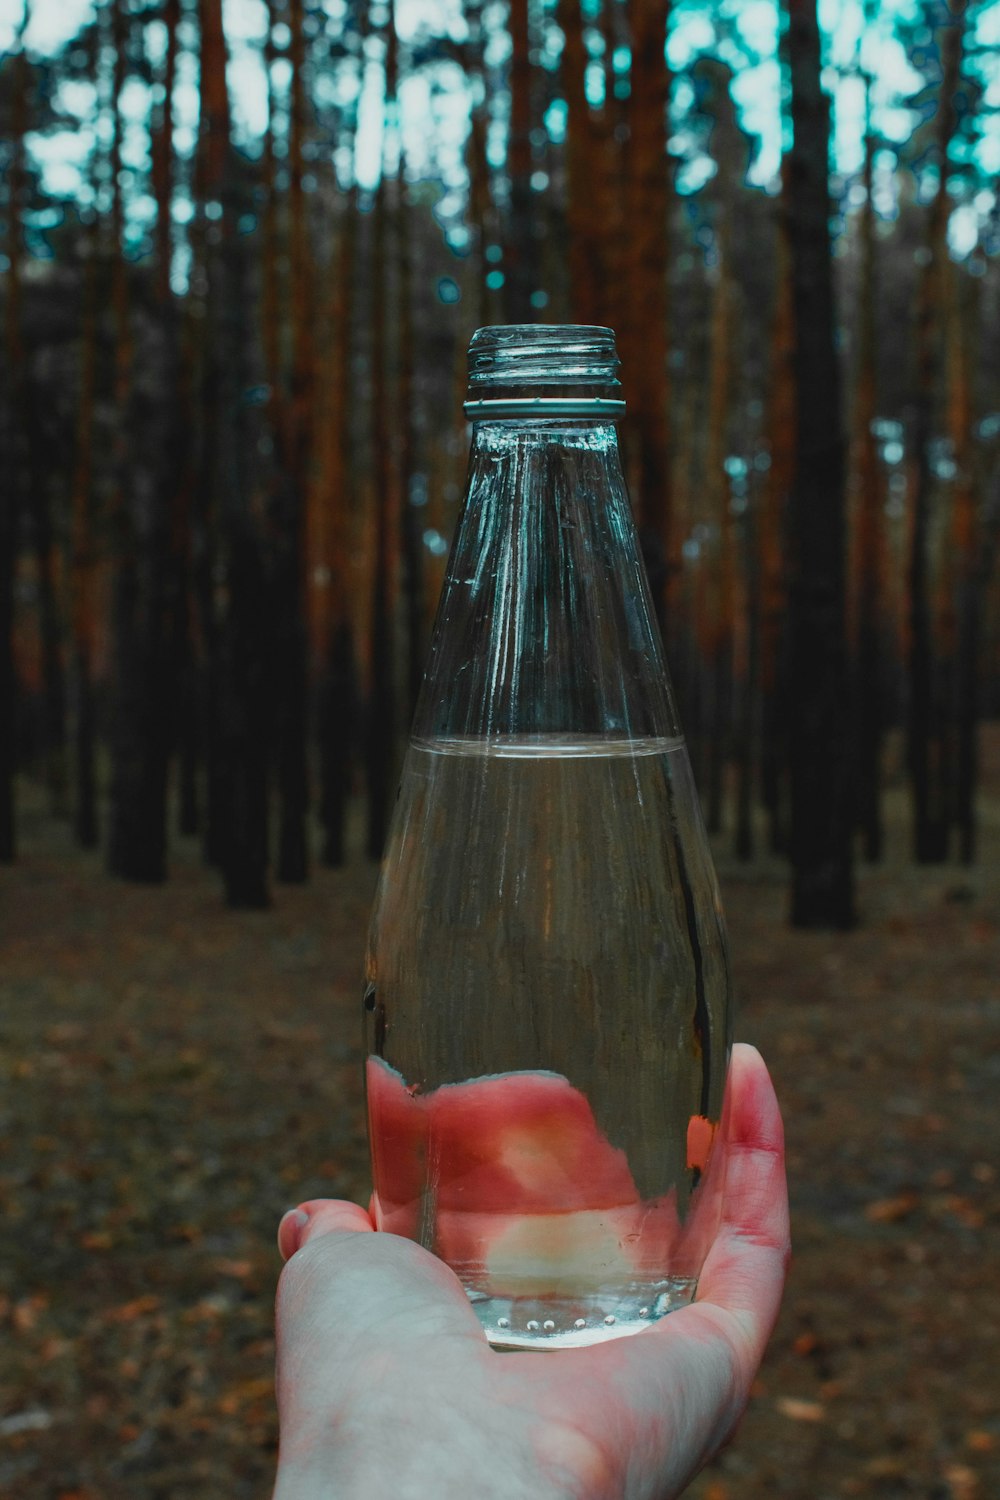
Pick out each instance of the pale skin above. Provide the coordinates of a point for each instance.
(386, 1387)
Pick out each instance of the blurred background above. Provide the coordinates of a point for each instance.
(244, 244)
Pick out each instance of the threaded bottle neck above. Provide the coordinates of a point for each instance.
(538, 371)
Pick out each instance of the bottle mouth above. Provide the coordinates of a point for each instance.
(543, 370)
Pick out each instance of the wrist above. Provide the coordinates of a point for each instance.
(398, 1444)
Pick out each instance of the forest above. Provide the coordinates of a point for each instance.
(244, 249)
(244, 245)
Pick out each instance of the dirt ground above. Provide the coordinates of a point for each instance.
(175, 1075)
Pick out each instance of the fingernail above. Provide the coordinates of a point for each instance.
(290, 1231)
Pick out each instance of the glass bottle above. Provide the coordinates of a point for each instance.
(547, 1009)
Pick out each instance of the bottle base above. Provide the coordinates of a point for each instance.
(575, 1322)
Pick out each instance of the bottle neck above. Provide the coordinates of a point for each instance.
(497, 436)
(530, 406)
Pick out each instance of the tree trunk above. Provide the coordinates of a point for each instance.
(12, 482)
(772, 544)
(411, 531)
(927, 729)
(964, 610)
(240, 666)
(337, 694)
(293, 781)
(586, 213)
(82, 562)
(169, 649)
(822, 877)
(381, 718)
(519, 232)
(869, 570)
(137, 828)
(747, 717)
(611, 129)
(481, 212)
(53, 681)
(411, 535)
(648, 202)
(337, 688)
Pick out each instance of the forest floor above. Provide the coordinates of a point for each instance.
(174, 1075)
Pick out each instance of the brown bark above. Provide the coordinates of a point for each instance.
(586, 213)
(293, 785)
(162, 157)
(927, 729)
(611, 131)
(520, 246)
(178, 686)
(962, 632)
(270, 296)
(381, 716)
(239, 678)
(411, 532)
(822, 877)
(337, 689)
(12, 483)
(136, 848)
(722, 602)
(481, 214)
(648, 205)
(82, 561)
(868, 571)
(35, 502)
(771, 542)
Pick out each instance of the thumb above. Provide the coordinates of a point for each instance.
(319, 1216)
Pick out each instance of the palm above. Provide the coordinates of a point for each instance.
(377, 1340)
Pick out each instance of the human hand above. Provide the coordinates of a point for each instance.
(386, 1386)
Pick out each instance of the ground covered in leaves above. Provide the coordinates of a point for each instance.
(174, 1075)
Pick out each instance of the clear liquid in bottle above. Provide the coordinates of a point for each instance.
(548, 1009)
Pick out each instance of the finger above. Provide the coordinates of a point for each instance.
(319, 1216)
(745, 1270)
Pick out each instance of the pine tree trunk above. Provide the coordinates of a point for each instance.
(240, 667)
(772, 545)
(293, 780)
(53, 705)
(12, 480)
(586, 213)
(481, 215)
(187, 738)
(747, 717)
(648, 203)
(869, 571)
(964, 605)
(611, 130)
(822, 877)
(411, 534)
(519, 234)
(337, 690)
(186, 675)
(29, 477)
(337, 687)
(973, 595)
(137, 826)
(927, 729)
(381, 717)
(82, 563)
(722, 589)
